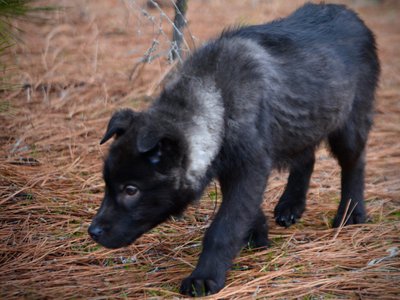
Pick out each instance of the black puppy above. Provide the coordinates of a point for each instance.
(256, 98)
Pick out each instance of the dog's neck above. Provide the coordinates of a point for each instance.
(205, 133)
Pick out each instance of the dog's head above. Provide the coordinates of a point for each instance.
(143, 175)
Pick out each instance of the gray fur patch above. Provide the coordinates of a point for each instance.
(206, 131)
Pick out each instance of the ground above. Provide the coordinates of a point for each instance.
(73, 69)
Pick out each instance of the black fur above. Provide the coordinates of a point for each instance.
(256, 98)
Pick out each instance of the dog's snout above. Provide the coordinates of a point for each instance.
(95, 231)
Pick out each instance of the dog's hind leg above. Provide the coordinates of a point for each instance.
(348, 145)
(292, 203)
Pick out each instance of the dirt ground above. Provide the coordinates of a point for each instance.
(74, 70)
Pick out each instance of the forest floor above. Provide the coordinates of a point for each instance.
(81, 64)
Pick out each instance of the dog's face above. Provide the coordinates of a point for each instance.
(142, 174)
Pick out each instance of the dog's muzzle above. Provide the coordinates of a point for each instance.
(95, 232)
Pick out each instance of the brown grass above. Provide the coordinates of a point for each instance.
(76, 72)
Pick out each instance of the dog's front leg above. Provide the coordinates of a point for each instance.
(242, 195)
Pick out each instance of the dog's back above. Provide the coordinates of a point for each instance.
(288, 83)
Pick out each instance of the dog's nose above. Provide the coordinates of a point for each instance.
(95, 232)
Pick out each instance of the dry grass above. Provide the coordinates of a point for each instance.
(76, 72)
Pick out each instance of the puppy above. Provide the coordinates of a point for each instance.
(254, 99)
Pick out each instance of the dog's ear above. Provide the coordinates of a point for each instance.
(161, 145)
(119, 123)
(149, 142)
(148, 138)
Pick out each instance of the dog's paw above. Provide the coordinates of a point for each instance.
(287, 213)
(257, 241)
(198, 287)
(353, 219)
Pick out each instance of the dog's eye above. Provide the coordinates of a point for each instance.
(131, 190)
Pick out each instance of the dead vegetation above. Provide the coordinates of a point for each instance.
(74, 71)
